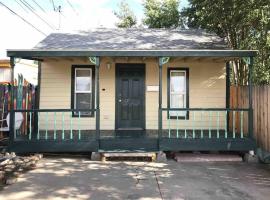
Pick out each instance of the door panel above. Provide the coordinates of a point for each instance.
(130, 96)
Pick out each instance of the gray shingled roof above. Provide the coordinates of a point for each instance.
(133, 39)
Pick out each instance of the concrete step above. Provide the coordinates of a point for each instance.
(129, 155)
(202, 157)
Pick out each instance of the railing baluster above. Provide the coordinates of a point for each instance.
(226, 130)
(30, 126)
(54, 126)
(169, 124)
(177, 125)
(79, 125)
(218, 124)
(71, 126)
(210, 124)
(233, 124)
(193, 121)
(185, 125)
(242, 134)
(201, 124)
(63, 126)
(46, 133)
(38, 133)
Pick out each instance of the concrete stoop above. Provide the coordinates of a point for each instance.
(153, 156)
(201, 157)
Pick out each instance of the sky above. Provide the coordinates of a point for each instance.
(44, 16)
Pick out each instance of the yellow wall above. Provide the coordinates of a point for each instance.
(206, 81)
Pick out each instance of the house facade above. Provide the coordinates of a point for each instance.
(134, 90)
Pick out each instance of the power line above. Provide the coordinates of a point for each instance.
(33, 11)
(39, 6)
(13, 12)
(72, 7)
(27, 4)
(21, 6)
(52, 2)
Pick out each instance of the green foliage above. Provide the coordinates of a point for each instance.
(161, 14)
(126, 17)
(244, 23)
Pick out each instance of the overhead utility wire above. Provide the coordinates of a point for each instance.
(52, 2)
(27, 4)
(39, 6)
(13, 12)
(72, 7)
(31, 9)
(21, 6)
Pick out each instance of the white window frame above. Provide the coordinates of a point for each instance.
(82, 92)
(180, 114)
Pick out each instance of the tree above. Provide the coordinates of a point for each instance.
(127, 18)
(161, 14)
(244, 24)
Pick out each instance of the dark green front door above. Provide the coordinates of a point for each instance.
(130, 97)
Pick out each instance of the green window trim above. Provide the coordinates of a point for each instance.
(73, 69)
(186, 117)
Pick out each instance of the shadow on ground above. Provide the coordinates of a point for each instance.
(80, 178)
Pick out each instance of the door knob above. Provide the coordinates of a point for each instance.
(120, 100)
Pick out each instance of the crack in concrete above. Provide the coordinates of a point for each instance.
(160, 193)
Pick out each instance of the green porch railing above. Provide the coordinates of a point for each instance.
(194, 123)
(56, 124)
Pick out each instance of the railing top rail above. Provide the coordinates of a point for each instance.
(55, 110)
(205, 109)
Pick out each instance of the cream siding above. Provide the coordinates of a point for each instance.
(207, 89)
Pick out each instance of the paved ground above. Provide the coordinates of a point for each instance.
(70, 178)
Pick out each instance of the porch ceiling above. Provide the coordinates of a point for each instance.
(38, 53)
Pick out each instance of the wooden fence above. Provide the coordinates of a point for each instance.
(261, 111)
(24, 98)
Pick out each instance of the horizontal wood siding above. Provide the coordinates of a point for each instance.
(207, 89)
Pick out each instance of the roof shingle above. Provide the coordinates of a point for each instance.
(133, 39)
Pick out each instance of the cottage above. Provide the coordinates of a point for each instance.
(134, 90)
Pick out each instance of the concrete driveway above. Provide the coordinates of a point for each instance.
(80, 178)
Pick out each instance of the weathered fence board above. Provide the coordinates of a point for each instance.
(261, 111)
(22, 100)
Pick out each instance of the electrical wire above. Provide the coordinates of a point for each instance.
(33, 11)
(39, 6)
(52, 1)
(13, 12)
(72, 7)
(21, 6)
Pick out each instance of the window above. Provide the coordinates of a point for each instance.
(178, 94)
(82, 89)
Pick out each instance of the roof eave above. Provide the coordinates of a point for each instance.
(21, 53)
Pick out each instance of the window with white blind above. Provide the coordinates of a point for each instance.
(178, 92)
(83, 89)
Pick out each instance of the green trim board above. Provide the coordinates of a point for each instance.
(36, 53)
(131, 144)
(207, 144)
(73, 68)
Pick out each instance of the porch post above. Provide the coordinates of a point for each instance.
(37, 101)
(97, 64)
(160, 98)
(12, 113)
(250, 114)
(228, 94)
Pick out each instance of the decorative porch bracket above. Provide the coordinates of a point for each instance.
(96, 62)
(161, 61)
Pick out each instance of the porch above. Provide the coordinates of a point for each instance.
(201, 129)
